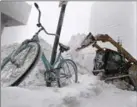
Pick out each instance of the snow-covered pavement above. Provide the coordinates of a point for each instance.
(89, 92)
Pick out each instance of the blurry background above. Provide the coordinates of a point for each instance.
(76, 20)
(118, 19)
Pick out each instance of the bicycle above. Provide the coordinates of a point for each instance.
(26, 56)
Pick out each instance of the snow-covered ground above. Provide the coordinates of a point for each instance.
(88, 92)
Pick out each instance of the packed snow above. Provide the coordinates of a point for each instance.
(89, 91)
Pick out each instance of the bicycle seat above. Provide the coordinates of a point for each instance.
(63, 47)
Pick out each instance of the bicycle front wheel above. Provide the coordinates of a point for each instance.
(13, 75)
(67, 73)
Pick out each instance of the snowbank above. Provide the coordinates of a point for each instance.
(83, 58)
(36, 76)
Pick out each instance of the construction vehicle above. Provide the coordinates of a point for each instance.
(112, 64)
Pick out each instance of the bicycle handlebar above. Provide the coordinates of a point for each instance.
(39, 23)
(37, 7)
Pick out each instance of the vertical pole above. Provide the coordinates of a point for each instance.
(2, 24)
(58, 31)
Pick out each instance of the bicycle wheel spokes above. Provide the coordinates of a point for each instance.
(5, 77)
(11, 73)
(67, 73)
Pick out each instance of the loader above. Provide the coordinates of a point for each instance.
(111, 64)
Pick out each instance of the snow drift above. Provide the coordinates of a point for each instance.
(82, 58)
(36, 76)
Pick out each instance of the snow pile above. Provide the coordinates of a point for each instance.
(83, 58)
(36, 76)
(88, 92)
(7, 49)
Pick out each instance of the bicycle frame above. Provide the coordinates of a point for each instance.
(47, 64)
(45, 61)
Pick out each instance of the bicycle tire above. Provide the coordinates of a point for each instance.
(72, 63)
(29, 68)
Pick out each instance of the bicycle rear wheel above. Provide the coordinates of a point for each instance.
(11, 74)
(67, 73)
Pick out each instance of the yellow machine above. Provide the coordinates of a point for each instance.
(112, 64)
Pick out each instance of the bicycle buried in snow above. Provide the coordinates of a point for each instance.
(26, 56)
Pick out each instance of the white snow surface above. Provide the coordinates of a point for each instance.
(88, 92)
(83, 58)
